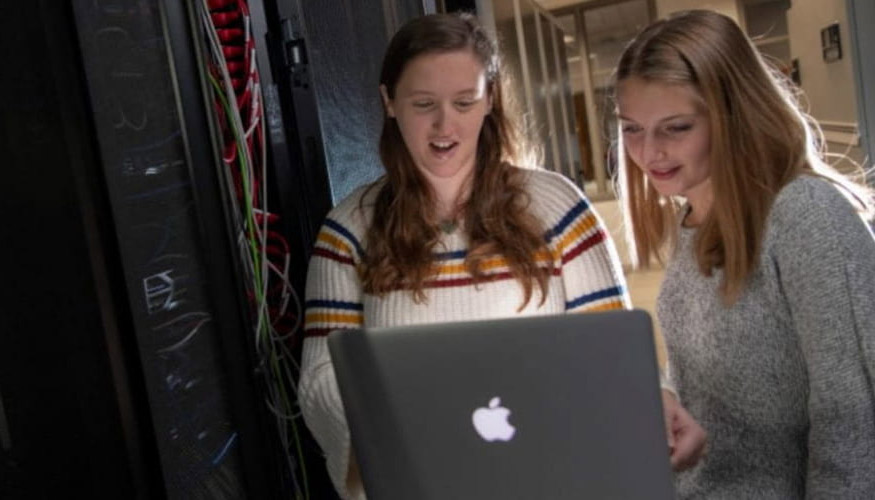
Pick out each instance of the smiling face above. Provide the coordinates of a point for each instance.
(440, 102)
(667, 134)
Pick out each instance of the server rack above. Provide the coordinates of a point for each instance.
(126, 365)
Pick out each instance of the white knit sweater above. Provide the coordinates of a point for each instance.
(587, 277)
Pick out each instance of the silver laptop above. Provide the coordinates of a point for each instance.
(549, 407)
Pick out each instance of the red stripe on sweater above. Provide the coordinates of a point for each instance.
(584, 246)
(328, 254)
(467, 281)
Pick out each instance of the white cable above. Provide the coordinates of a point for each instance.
(272, 348)
(187, 338)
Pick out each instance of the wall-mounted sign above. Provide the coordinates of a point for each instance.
(831, 43)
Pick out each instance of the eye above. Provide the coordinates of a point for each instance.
(465, 104)
(630, 128)
(423, 104)
(677, 128)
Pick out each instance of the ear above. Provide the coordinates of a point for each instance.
(387, 103)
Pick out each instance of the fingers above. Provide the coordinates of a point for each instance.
(689, 449)
(690, 441)
(669, 408)
(686, 438)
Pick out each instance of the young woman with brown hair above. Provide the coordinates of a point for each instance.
(768, 301)
(453, 231)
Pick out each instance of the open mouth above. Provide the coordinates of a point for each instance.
(442, 147)
(664, 173)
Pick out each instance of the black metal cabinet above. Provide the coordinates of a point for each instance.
(126, 365)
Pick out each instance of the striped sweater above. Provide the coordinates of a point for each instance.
(587, 277)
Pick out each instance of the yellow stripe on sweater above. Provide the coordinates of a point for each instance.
(334, 242)
(577, 231)
(491, 264)
(334, 318)
(607, 306)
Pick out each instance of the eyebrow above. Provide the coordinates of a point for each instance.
(667, 118)
(416, 93)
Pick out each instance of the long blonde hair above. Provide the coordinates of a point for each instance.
(760, 141)
(404, 232)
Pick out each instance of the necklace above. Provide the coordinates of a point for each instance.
(448, 225)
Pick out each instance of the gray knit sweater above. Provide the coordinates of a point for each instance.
(782, 381)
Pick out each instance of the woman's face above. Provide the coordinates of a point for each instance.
(666, 133)
(440, 102)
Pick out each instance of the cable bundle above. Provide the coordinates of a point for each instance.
(276, 309)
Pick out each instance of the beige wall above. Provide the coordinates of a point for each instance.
(725, 7)
(828, 86)
(664, 7)
(555, 4)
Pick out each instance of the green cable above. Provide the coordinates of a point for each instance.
(249, 217)
(257, 265)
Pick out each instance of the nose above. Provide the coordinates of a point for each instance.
(652, 149)
(441, 119)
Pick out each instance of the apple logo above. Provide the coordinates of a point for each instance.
(491, 423)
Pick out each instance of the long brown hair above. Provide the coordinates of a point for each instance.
(760, 141)
(404, 231)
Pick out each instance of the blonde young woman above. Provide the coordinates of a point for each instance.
(452, 231)
(768, 303)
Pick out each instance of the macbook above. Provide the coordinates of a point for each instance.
(546, 407)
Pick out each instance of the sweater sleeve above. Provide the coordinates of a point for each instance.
(333, 301)
(591, 272)
(826, 260)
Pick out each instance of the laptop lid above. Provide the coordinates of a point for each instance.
(552, 407)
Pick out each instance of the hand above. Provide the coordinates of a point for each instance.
(354, 485)
(686, 438)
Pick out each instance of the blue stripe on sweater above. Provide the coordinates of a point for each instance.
(345, 233)
(616, 291)
(572, 215)
(334, 304)
(457, 254)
